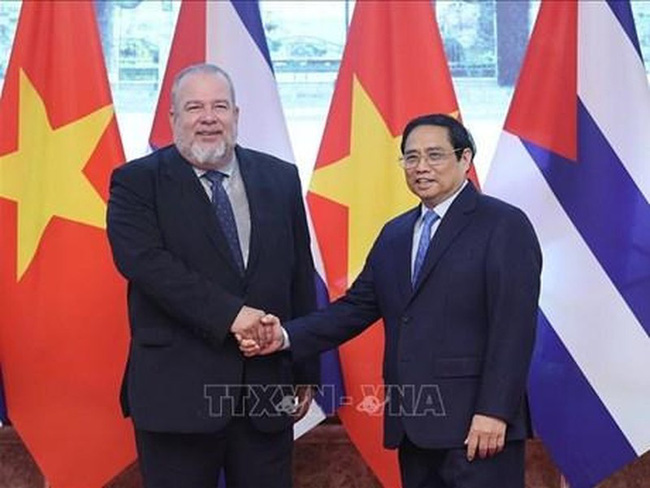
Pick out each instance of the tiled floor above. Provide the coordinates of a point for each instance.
(327, 448)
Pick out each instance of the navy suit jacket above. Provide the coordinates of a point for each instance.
(184, 291)
(459, 343)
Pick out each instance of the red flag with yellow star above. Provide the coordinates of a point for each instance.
(393, 69)
(63, 332)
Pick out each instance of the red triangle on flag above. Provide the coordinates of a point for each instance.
(188, 47)
(552, 49)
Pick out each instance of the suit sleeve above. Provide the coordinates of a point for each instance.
(141, 257)
(514, 263)
(303, 288)
(339, 322)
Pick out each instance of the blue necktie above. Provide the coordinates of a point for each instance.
(225, 215)
(425, 238)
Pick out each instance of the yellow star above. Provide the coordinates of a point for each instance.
(45, 175)
(369, 181)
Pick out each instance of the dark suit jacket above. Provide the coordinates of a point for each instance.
(460, 342)
(184, 290)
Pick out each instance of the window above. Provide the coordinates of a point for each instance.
(484, 42)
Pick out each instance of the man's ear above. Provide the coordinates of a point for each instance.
(466, 158)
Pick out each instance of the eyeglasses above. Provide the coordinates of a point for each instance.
(433, 158)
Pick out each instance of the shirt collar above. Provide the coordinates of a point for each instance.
(442, 207)
(229, 170)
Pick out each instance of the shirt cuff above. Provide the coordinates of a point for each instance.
(286, 344)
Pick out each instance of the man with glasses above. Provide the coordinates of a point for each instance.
(456, 281)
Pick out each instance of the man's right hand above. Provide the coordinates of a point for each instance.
(271, 338)
(247, 325)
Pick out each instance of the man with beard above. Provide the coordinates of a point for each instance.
(210, 236)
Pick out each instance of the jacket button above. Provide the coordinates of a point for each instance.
(405, 319)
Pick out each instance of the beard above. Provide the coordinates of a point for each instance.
(208, 155)
(203, 155)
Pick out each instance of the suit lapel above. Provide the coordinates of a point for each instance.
(402, 245)
(255, 195)
(455, 220)
(195, 202)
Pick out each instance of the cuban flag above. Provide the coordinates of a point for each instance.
(575, 156)
(230, 34)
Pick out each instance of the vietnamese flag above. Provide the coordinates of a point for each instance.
(63, 321)
(393, 69)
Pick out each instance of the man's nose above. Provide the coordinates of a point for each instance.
(209, 117)
(423, 165)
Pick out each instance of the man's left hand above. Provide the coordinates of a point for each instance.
(487, 436)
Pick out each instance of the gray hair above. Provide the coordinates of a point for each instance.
(204, 68)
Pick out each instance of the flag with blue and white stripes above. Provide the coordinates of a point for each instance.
(230, 35)
(575, 156)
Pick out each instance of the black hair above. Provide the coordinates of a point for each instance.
(459, 136)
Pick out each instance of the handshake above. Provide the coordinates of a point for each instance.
(257, 333)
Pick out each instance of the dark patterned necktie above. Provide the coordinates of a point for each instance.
(225, 215)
